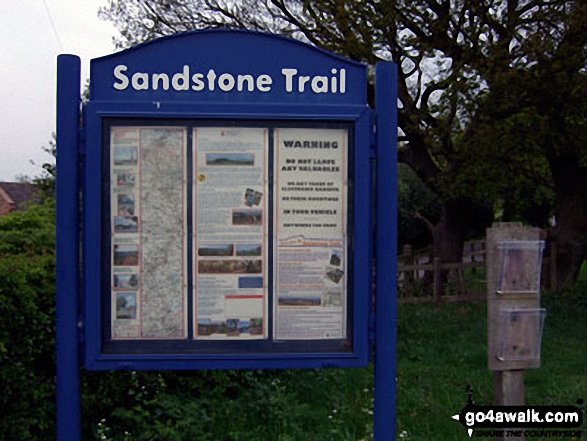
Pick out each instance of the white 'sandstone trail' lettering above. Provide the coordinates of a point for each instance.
(185, 80)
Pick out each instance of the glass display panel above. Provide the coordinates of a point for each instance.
(227, 238)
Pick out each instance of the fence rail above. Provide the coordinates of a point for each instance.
(424, 279)
(441, 282)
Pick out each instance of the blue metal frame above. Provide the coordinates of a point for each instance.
(278, 107)
(281, 107)
(68, 275)
(96, 359)
(386, 251)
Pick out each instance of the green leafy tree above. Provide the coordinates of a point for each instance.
(537, 110)
(46, 180)
(418, 210)
(458, 60)
(517, 176)
(27, 324)
(364, 30)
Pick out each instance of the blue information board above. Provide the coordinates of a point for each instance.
(227, 206)
(227, 182)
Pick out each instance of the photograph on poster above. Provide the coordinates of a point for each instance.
(126, 281)
(335, 259)
(334, 275)
(126, 204)
(216, 250)
(126, 155)
(126, 255)
(231, 327)
(252, 197)
(209, 327)
(126, 179)
(244, 326)
(230, 159)
(292, 300)
(332, 298)
(126, 224)
(247, 217)
(126, 305)
(230, 266)
(248, 249)
(256, 326)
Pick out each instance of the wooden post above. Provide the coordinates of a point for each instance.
(508, 388)
(553, 257)
(408, 259)
(437, 281)
(508, 379)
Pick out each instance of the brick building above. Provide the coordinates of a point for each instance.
(16, 196)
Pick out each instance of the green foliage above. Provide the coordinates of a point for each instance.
(236, 406)
(46, 181)
(583, 274)
(417, 204)
(27, 325)
(505, 162)
(31, 233)
(492, 94)
(221, 405)
(443, 351)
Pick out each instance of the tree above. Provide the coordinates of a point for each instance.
(538, 101)
(46, 180)
(418, 210)
(27, 324)
(456, 59)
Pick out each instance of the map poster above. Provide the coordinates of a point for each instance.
(231, 232)
(310, 255)
(148, 232)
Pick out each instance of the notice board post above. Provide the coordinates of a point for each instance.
(386, 251)
(67, 249)
(514, 318)
(227, 211)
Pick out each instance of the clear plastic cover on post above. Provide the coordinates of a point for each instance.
(522, 334)
(519, 264)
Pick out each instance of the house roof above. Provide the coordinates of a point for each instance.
(19, 194)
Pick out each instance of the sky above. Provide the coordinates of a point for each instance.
(32, 34)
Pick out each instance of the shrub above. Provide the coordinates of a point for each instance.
(27, 324)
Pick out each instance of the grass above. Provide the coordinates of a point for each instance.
(441, 352)
(583, 273)
(292, 405)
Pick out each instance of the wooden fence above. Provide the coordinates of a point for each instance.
(424, 279)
